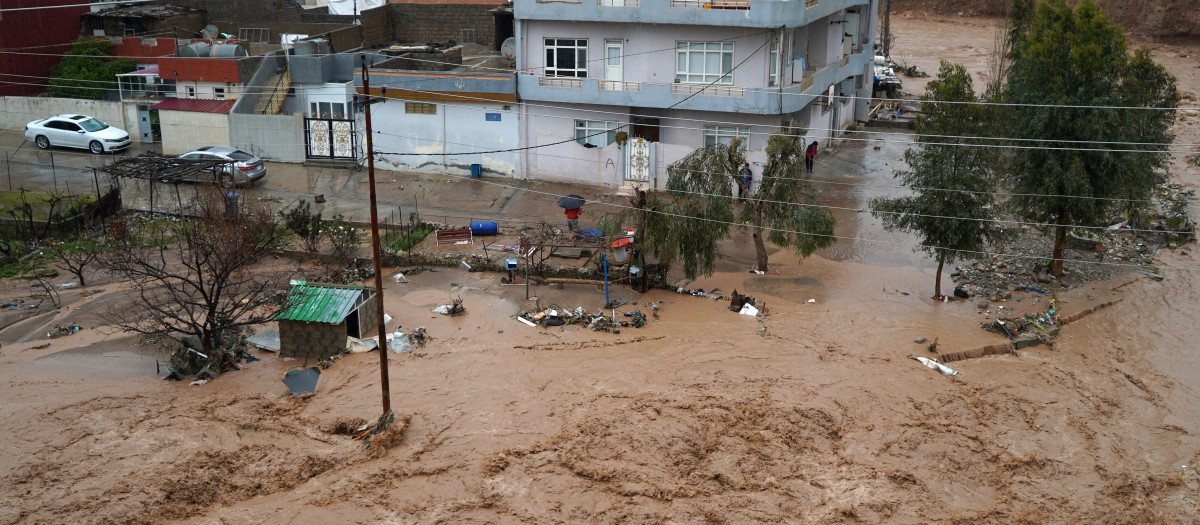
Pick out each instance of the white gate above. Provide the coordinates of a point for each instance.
(639, 159)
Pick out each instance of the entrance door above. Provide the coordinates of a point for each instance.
(144, 127)
(613, 56)
(646, 128)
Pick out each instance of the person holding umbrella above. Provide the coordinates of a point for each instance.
(572, 206)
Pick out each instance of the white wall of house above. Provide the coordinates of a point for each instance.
(207, 90)
(455, 128)
(184, 131)
(327, 96)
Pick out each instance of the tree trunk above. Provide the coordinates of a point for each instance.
(760, 248)
(1060, 243)
(79, 275)
(937, 283)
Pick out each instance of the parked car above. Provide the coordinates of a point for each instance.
(77, 131)
(243, 167)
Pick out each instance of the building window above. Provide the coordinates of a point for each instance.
(566, 57)
(327, 110)
(704, 62)
(595, 132)
(773, 65)
(191, 92)
(420, 108)
(725, 134)
(219, 93)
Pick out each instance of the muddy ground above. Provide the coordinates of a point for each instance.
(814, 413)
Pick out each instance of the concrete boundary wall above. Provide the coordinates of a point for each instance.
(15, 112)
(278, 138)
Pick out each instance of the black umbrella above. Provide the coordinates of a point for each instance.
(571, 202)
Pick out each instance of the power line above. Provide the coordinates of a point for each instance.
(91, 4)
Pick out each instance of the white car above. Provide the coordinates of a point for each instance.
(77, 131)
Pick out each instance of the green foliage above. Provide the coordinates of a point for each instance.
(344, 239)
(701, 212)
(301, 221)
(786, 202)
(952, 208)
(411, 238)
(88, 70)
(1077, 60)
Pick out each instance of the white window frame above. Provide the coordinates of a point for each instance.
(773, 63)
(219, 93)
(694, 62)
(577, 46)
(190, 91)
(584, 129)
(714, 134)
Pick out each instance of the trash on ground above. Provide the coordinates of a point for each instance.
(749, 309)
(358, 346)
(62, 330)
(936, 365)
(199, 382)
(400, 278)
(302, 381)
(399, 342)
(452, 309)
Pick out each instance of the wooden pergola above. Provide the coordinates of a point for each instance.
(155, 167)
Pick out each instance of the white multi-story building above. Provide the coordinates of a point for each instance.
(682, 74)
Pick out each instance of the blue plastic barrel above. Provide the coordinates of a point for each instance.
(476, 170)
(484, 228)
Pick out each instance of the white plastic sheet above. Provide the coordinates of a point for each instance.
(347, 7)
(936, 366)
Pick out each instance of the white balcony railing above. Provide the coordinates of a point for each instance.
(617, 85)
(560, 1)
(711, 4)
(711, 91)
(559, 82)
(619, 3)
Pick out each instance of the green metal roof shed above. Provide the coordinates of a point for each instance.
(316, 303)
(319, 318)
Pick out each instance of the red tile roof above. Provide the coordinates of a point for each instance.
(196, 105)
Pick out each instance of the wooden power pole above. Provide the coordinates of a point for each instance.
(383, 346)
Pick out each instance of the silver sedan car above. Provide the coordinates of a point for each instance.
(243, 167)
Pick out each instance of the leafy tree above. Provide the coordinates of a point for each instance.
(951, 208)
(1066, 63)
(194, 277)
(301, 221)
(785, 206)
(88, 70)
(344, 239)
(701, 212)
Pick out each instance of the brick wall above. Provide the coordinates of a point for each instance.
(440, 22)
(312, 341)
(247, 10)
(377, 26)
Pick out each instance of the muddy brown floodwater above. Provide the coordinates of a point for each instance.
(813, 413)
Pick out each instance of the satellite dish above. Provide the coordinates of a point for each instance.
(210, 32)
(508, 49)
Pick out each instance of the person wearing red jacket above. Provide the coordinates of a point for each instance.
(809, 155)
(573, 218)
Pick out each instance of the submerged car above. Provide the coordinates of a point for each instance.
(77, 131)
(242, 167)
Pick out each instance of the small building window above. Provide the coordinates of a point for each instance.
(219, 93)
(566, 57)
(420, 108)
(725, 134)
(773, 64)
(191, 91)
(595, 132)
(704, 62)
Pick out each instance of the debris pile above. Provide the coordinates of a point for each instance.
(62, 330)
(611, 318)
(1041, 326)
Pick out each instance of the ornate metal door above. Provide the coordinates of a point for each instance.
(639, 159)
(327, 138)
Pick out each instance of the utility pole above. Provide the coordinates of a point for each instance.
(383, 347)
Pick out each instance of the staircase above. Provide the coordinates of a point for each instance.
(272, 104)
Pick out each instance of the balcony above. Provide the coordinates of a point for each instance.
(617, 85)
(766, 14)
(701, 97)
(704, 89)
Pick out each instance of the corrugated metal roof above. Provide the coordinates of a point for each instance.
(313, 303)
(197, 105)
